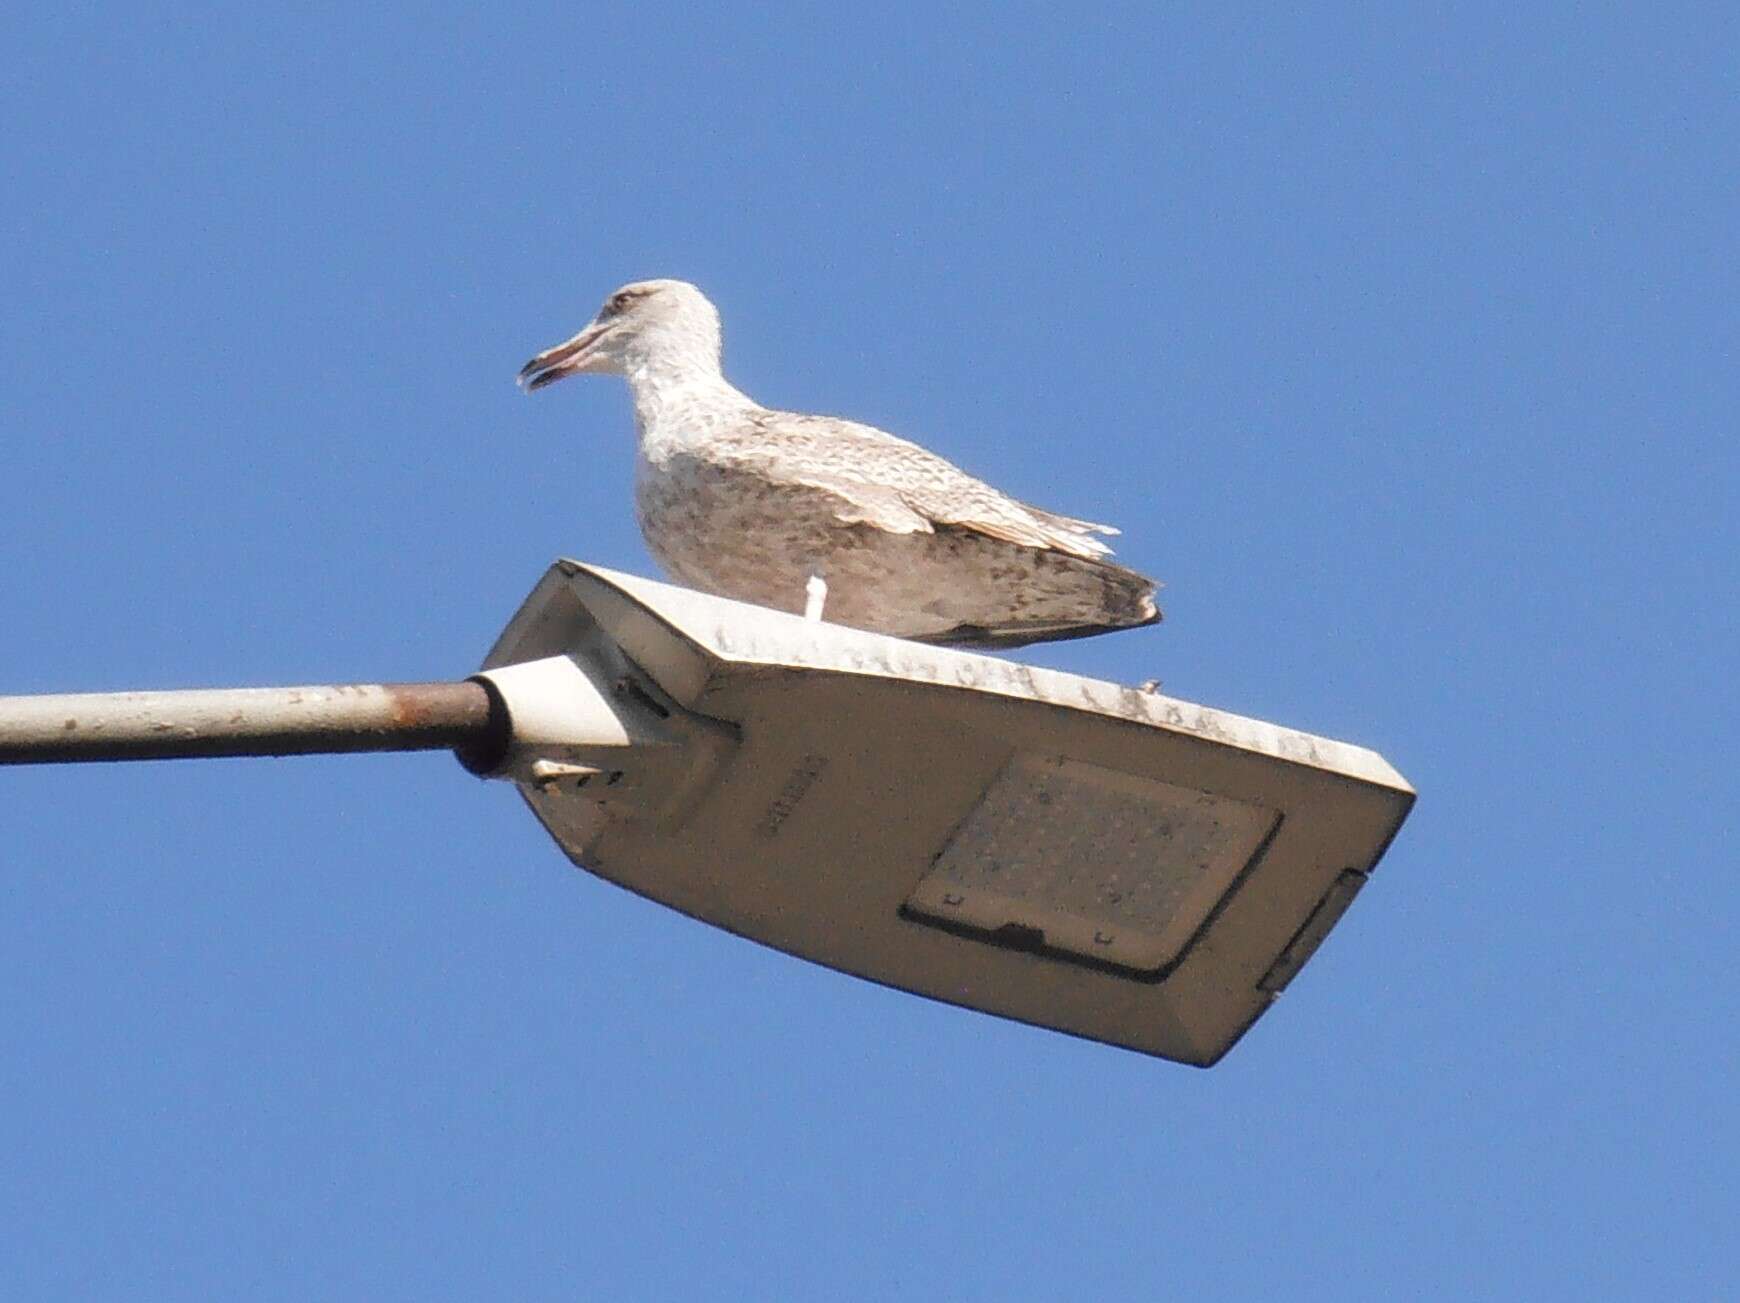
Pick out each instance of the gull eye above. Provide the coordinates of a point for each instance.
(619, 302)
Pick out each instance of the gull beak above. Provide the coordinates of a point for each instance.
(570, 357)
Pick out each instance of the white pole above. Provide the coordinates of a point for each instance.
(465, 717)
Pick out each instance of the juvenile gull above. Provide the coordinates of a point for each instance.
(813, 513)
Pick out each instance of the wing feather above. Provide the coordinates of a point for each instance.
(890, 483)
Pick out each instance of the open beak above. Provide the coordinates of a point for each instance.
(566, 359)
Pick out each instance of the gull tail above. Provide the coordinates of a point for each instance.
(1106, 597)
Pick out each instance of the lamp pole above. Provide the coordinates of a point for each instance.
(466, 717)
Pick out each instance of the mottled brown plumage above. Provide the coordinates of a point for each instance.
(759, 505)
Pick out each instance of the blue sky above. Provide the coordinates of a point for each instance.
(1400, 342)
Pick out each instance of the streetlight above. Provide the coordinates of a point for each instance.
(1074, 854)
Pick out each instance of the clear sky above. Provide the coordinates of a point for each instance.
(1401, 340)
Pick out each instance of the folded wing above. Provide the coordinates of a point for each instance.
(890, 483)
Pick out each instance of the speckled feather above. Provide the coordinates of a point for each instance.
(749, 502)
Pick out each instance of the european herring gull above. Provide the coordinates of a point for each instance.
(816, 514)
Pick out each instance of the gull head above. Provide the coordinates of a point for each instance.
(662, 325)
